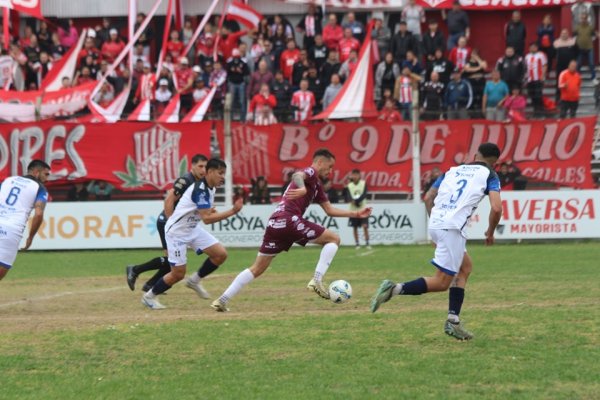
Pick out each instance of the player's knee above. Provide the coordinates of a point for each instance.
(178, 273)
(334, 238)
(220, 257)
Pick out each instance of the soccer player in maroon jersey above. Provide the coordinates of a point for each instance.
(287, 226)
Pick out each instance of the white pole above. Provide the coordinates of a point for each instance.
(228, 156)
(416, 146)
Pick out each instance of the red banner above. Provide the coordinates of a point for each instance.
(551, 151)
(129, 155)
(25, 106)
(31, 7)
(466, 4)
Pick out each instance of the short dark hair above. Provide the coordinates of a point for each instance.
(215, 163)
(323, 153)
(199, 157)
(356, 171)
(489, 150)
(37, 164)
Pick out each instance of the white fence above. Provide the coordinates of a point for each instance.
(132, 224)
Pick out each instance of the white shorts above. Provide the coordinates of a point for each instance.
(450, 249)
(9, 246)
(177, 246)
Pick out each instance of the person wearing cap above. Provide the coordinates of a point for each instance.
(184, 76)
(237, 72)
(162, 96)
(197, 70)
(175, 46)
(458, 97)
(146, 86)
(200, 90)
(112, 47)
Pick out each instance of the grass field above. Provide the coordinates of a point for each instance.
(71, 329)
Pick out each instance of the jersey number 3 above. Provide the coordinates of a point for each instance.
(13, 196)
(462, 183)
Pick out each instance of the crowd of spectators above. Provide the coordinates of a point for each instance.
(282, 73)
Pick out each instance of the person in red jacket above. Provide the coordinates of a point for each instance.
(288, 58)
(174, 45)
(389, 112)
(332, 33)
(262, 105)
(89, 49)
(229, 41)
(112, 47)
(347, 44)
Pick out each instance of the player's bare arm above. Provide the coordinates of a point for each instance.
(338, 212)
(298, 179)
(169, 203)
(36, 222)
(429, 199)
(495, 215)
(210, 215)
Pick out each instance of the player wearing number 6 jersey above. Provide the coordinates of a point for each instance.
(18, 196)
(455, 196)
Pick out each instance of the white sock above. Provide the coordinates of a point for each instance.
(149, 294)
(397, 289)
(243, 278)
(194, 278)
(453, 318)
(327, 254)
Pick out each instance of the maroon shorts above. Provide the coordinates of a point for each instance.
(284, 230)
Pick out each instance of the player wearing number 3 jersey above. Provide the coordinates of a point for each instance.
(455, 196)
(18, 196)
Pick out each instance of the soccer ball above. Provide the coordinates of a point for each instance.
(340, 291)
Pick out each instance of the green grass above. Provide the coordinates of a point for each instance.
(70, 329)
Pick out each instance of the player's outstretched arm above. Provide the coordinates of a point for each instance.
(36, 222)
(495, 215)
(210, 215)
(338, 212)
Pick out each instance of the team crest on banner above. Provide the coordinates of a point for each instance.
(156, 162)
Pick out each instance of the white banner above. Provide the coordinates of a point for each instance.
(132, 224)
(571, 214)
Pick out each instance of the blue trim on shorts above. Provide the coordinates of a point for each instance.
(199, 251)
(444, 270)
(5, 265)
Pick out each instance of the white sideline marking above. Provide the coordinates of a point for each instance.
(57, 295)
(366, 253)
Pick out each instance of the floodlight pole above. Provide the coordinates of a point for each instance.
(228, 156)
(416, 146)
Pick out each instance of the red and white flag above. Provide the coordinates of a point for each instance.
(111, 113)
(141, 112)
(171, 113)
(198, 112)
(31, 7)
(244, 14)
(65, 67)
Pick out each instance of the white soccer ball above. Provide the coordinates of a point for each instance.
(340, 291)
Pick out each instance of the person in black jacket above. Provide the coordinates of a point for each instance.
(237, 73)
(402, 42)
(282, 90)
(433, 39)
(432, 98)
(512, 68)
(515, 33)
(441, 65)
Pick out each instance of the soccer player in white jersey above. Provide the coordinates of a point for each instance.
(18, 196)
(459, 192)
(183, 230)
